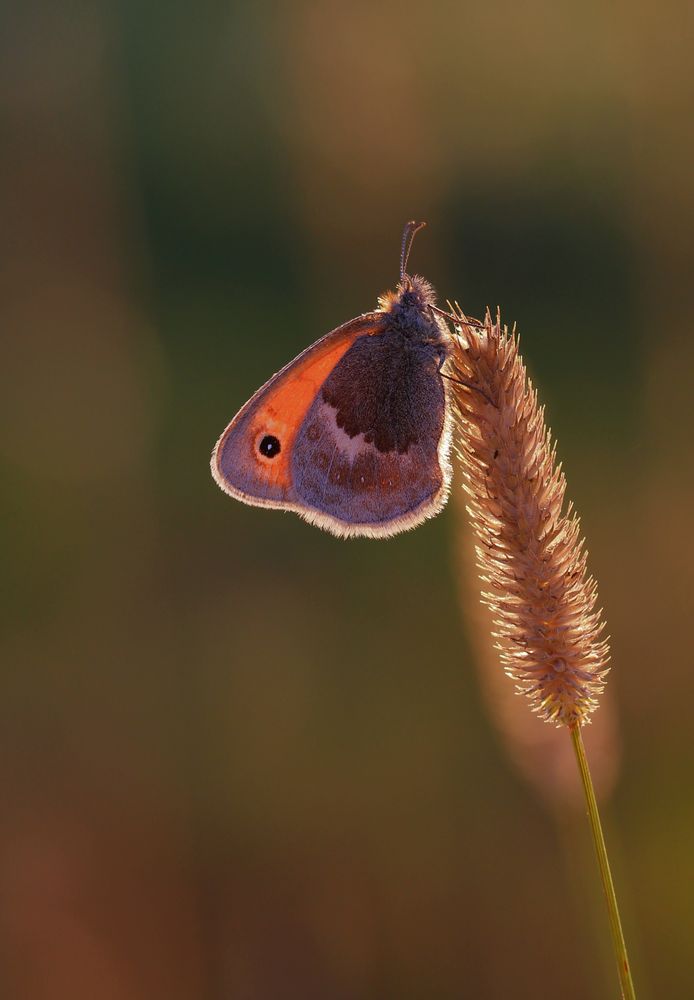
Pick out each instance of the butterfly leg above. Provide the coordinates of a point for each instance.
(457, 320)
(469, 385)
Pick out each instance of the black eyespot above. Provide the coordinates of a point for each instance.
(269, 446)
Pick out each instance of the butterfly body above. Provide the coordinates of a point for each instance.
(353, 434)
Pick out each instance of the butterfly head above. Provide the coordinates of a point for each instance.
(408, 308)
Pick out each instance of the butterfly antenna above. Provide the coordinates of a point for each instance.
(410, 231)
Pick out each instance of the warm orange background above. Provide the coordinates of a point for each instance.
(242, 760)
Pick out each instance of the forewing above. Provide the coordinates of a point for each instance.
(278, 409)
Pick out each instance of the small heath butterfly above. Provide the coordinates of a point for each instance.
(354, 434)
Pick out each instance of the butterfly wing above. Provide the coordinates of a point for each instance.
(353, 435)
(371, 457)
(277, 411)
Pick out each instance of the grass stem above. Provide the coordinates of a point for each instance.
(618, 941)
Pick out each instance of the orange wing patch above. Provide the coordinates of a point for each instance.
(285, 405)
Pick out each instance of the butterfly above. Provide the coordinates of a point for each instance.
(354, 434)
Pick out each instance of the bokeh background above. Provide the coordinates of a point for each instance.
(242, 759)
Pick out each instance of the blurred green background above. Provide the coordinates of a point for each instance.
(242, 759)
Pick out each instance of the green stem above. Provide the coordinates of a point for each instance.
(618, 941)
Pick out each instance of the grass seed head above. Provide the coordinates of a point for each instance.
(530, 552)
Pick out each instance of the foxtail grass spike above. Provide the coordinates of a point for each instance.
(530, 553)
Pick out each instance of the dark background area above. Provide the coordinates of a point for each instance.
(240, 758)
